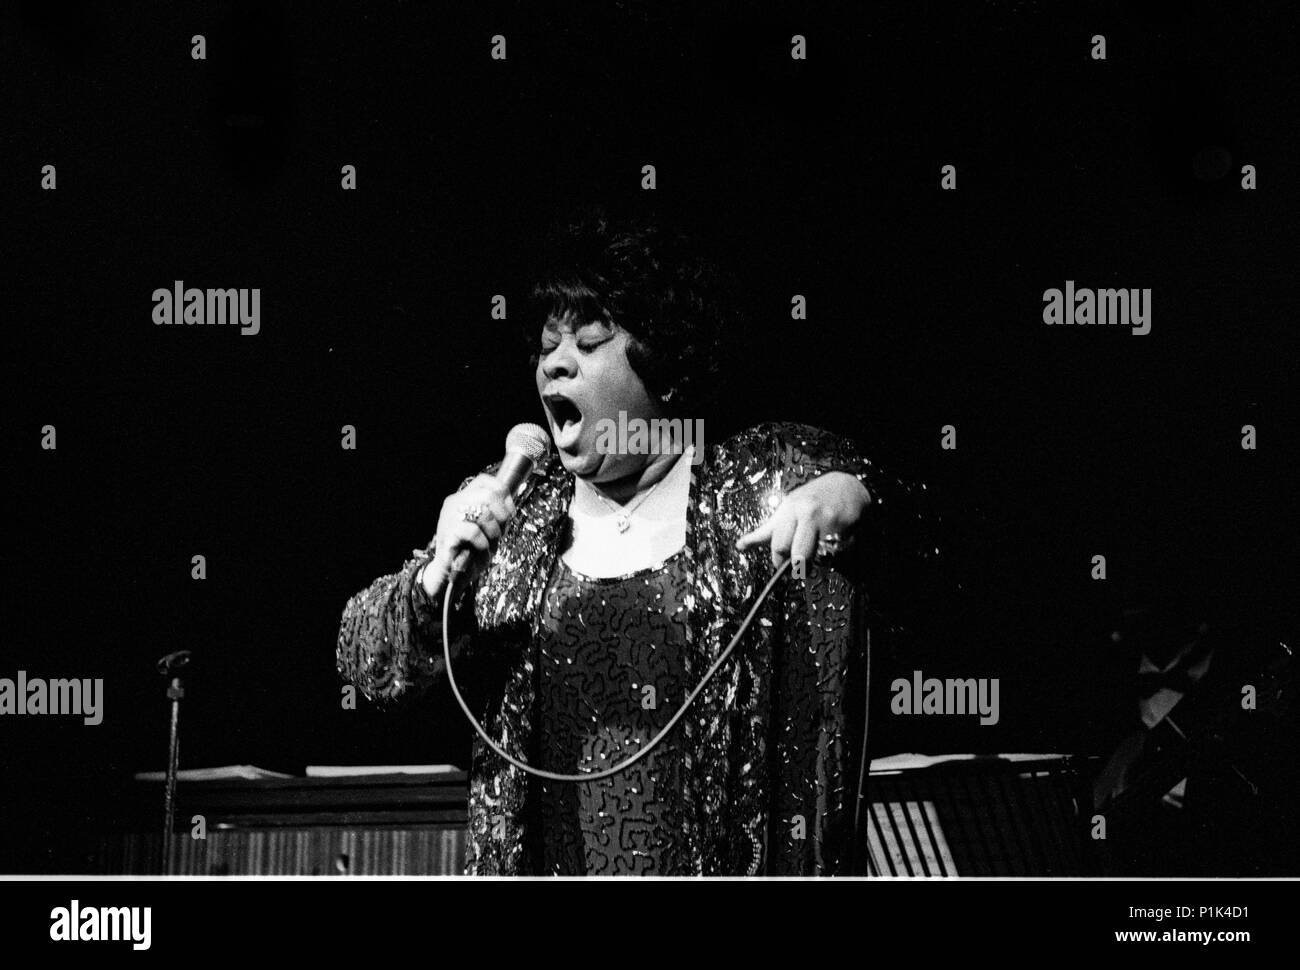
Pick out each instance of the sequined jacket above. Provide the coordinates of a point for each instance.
(775, 742)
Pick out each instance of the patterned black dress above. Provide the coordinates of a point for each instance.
(771, 755)
(609, 677)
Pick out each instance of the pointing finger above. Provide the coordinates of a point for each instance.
(759, 535)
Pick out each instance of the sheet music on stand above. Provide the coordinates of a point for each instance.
(974, 815)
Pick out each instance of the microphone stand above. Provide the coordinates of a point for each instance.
(170, 666)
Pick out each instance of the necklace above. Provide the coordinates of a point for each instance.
(623, 519)
(624, 515)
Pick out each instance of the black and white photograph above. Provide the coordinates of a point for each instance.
(690, 441)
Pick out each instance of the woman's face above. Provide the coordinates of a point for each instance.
(583, 376)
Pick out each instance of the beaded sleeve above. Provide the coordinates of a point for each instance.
(390, 636)
(816, 736)
(803, 452)
(897, 552)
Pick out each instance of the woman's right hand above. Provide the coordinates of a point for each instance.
(457, 535)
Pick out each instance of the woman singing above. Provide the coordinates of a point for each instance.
(599, 595)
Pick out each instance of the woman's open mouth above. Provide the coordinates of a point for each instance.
(566, 420)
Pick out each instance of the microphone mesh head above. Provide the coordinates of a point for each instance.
(530, 440)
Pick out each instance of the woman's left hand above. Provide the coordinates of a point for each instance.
(830, 504)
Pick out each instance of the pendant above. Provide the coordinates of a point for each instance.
(622, 523)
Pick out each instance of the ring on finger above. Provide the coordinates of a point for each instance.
(475, 513)
(831, 544)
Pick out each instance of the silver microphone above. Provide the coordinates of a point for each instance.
(526, 445)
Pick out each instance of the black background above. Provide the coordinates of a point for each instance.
(817, 177)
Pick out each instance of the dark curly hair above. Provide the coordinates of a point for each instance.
(654, 283)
